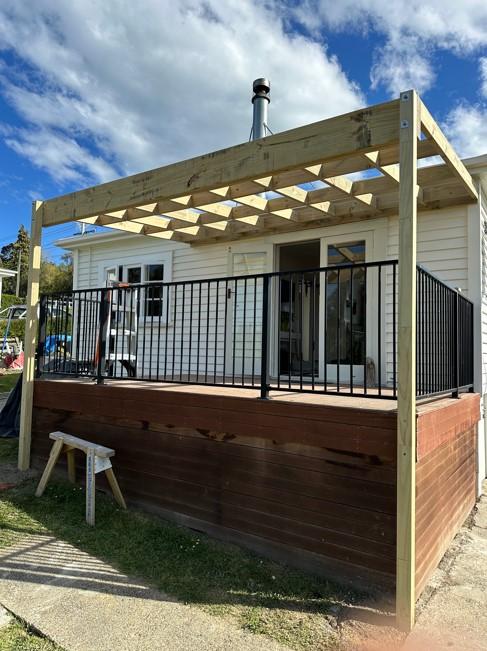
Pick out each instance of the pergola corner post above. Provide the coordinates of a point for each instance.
(406, 401)
(31, 320)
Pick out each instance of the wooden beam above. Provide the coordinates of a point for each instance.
(345, 135)
(446, 151)
(406, 399)
(30, 338)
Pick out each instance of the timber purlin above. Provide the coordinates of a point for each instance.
(309, 483)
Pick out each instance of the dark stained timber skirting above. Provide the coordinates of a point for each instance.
(313, 485)
(446, 478)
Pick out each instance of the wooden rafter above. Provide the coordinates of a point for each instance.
(445, 150)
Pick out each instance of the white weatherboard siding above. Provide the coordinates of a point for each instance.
(482, 232)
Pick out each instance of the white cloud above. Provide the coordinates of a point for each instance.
(401, 66)
(115, 87)
(413, 29)
(483, 76)
(466, 127)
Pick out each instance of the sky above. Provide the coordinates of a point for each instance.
(91, 90)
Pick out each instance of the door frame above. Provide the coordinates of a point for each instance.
(370, 341)
(375, 232)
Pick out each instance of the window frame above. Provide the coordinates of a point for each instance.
(132, 262)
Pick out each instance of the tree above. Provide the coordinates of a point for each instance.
(9, 259)
(54, 277)
(57, 277)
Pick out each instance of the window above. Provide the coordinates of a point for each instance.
(150, 274)
(134, 275)
(154, 273)
(152, 297)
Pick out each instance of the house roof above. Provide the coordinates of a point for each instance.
(302, 178)
(7, 273)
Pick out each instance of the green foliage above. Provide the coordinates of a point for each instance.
(57, 277)
(18, 637)
(9, 259)
(10, 299)
(8, 381)
(54, 277)
(17, 328)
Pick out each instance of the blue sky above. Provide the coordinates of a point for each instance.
(92, 90)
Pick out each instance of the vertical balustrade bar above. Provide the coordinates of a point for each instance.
(225, 331)
(41, 341)
(181, 356)
(365, 334)
(244, 328)
(301, 309)
(379, 327)
(351, 332)
(255, 334)
(290, 329)
(325, 334)
(338, 332)
(207, 329)
(264, 372)
(217, 309)
(394, 332)
(313, 334)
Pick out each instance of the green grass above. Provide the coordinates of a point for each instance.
(8, 381)
(17, 637)
(8, 450)
(256, 594)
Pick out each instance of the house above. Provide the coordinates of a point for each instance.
(269, 270)
(5, 273)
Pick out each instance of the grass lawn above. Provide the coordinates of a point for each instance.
(8, 381)
(254, 593)
(17, 637)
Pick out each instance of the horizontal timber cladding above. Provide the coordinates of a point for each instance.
(445, 477)
(317, 479)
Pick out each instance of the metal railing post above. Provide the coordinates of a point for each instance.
(41, 342)
(102, 333)
(264, 361)
(455, 392)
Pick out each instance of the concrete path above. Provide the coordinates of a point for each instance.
(84, 604)
(455, 614)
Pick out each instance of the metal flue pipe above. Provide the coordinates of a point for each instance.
(260, 101)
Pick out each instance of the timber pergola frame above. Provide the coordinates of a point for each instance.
(270, 185)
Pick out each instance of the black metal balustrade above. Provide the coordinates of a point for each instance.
(331, 330)
(444, 338)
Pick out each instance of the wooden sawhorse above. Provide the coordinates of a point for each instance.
(97, 460)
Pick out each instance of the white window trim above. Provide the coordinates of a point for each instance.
(128, 262)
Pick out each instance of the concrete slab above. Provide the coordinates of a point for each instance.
(455, 614)
(5, 617)
(84, 604)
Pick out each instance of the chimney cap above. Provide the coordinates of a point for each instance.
(261, 88)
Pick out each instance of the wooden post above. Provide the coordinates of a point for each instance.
(30, 336)
(406, 400)
(90, 486)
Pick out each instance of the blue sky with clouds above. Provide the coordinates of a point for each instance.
(92, 90)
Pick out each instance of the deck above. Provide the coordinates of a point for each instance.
(307, 479)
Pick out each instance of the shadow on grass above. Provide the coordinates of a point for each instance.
(190, 566)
